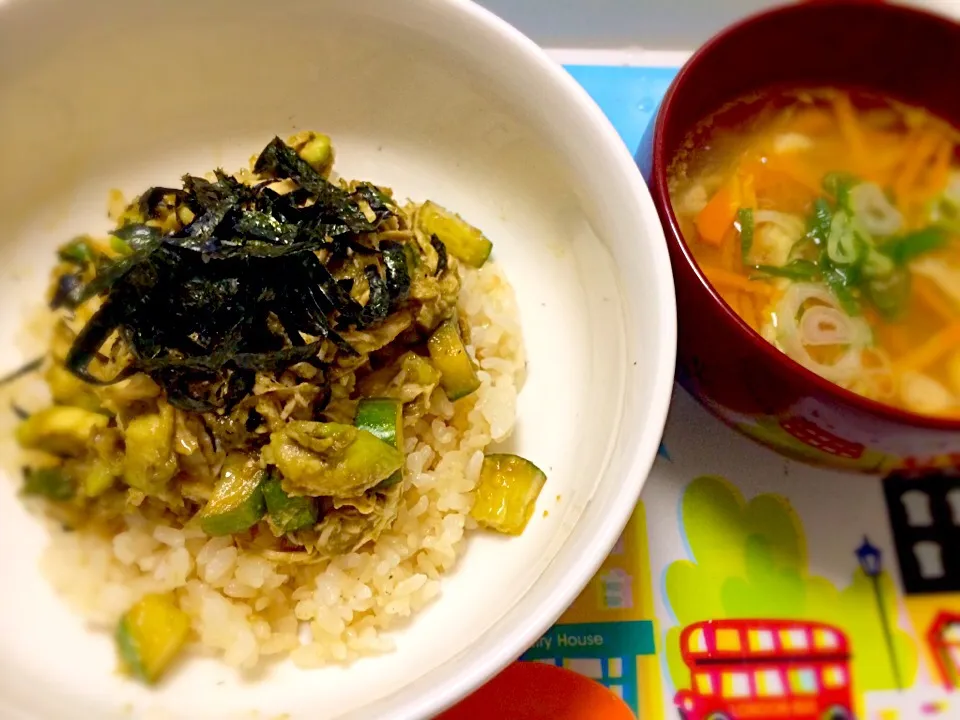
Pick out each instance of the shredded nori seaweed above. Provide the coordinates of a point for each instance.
(241, 289)
(441, 254)
(22, 371)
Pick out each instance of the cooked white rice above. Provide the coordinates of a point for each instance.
(244, 607)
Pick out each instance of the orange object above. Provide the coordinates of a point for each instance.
(932, 350)
(535, 691)
(849, 125)
(727, 280)
(718, 215)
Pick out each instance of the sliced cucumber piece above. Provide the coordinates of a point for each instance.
(51, 483)
(383, 418)
(150, 635)
(458, 376)
(462, 240)
(98, 479)
(507, 493)
(61, 430)
(149, 462)
(288, 513)
(331, 459)
(237, 503)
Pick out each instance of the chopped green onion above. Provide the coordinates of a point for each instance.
(804, 249)
(745, 225)
(795, 270)
(844, 244)
(877, 264)
(819, 222)
(889, 294)
(839, 185)
(945, 213)
(904, 248)
(842, 284)
(52, 483)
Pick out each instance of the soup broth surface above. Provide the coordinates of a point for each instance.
(829, 221)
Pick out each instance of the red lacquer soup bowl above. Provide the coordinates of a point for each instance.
(903, 53)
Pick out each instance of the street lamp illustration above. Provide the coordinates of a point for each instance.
(870, 559)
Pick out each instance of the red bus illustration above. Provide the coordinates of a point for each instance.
(944, 640)
(765, 669)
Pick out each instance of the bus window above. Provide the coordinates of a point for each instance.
(769, 683)
(736, 685)
(697, 642)
(728, 639)
(834, 676)
(704, 684)
(825, 639)
(796, 639)
(803, 681)
(760, 640)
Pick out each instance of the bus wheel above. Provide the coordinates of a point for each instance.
(718, 716)
(837, 712)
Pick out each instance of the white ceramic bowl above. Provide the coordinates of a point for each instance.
(435, 98)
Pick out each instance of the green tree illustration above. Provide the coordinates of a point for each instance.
(749, 560)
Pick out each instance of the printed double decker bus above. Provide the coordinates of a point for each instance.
(765, 669)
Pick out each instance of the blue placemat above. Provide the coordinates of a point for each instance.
(628, 95)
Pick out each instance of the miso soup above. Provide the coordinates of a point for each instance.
(830, 223)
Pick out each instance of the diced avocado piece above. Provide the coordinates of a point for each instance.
(67, 389)
(507, 493)
(383, 417)
(418, 370)
(318, 152)
(331, 459)
(149, 462)
(61, 430)
(458, 376)
(51, 483)
(288, 512)
(237, 503)
(463, 240)
(149, 636)
(98, 479)
(393, 383)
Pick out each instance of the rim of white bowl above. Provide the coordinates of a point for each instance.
(519, 630)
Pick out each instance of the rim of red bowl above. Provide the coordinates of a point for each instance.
(659, 171)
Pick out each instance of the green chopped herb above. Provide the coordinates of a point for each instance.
(801, 270)
(842, 284)
(889, 295)
(904, 248)
(818, 226)
(877, 264)
(945, 212)
(51, 483)
(839, 184)
(845, 246)
(745, 221)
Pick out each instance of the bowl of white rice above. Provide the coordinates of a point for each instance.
(571, 333)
